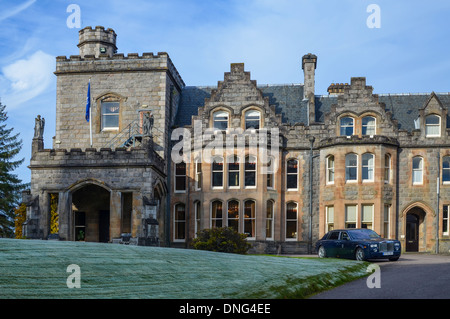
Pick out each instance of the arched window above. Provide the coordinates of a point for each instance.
(347, 126)
(198, 174)
(180, 222)
(217, 172)
(368, 126)
(252, 119)
(269, 219)
(351, 167)
(291, 221)
(446, 169)
(292, 174)
(220, 120)
(180, 177)
(368, 167)
(330, 169)
(233, 214)
(233, 171)
(216, 214)
(417, 171)
(433, 126)
(249, 218)
(250, 171)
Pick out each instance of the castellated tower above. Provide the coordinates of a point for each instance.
(97, 41)
(107, 176)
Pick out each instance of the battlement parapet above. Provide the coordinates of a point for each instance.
(91, 157)
(118, 62)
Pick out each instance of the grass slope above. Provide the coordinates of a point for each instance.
(38, 269)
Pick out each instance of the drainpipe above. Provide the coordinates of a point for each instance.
(437, 195)
(311, 157)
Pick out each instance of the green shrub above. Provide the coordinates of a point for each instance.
(221, 239)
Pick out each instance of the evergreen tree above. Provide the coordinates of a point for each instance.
(10, 185)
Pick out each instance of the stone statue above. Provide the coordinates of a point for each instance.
(147, 124)
(39, 125)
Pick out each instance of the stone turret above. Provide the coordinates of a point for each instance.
(97, 41)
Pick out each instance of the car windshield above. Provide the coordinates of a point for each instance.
(364, 234)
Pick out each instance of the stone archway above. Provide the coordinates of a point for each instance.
(91, 213)
(417, 227)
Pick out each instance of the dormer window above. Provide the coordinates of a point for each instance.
(220, 120)
(433, 126)
(369, 126)
(347, 126)
(252, 120)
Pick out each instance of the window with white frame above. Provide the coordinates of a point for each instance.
(217, 172)
(433, 126)
(367, 216)
(250, 218)
(446, 169)
(233, 171)
(387, 168)
(292, 174)
(369, 126)
(329, 218)
(270, 173)
(368, 167)
(252, 119)
(110, 115)
(351, 167)
(180, 222)
(351, 213)
(198, 216)
(216, 214)
(386, 221)
(250, 171)
(269, 219)
(291, 221)
(233, 215)
(347, 126)
(198, 175)
(220, 120)
(330, 169)
(445, 223)
(417, 170)
(180, 177)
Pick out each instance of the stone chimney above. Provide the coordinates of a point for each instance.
(309, 63)
(97, 41)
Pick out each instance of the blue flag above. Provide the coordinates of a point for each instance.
(88, 101)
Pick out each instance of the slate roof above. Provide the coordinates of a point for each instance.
(288, 101)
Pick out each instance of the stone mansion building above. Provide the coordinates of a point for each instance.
(346, 159)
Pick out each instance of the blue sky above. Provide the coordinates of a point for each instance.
(409, 53)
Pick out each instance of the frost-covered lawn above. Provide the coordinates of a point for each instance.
(38, 269)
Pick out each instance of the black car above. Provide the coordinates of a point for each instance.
(359, 244)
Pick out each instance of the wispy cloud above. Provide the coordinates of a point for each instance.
(13, 11)
(26, 78)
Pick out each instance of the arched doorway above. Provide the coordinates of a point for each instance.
(91, 213)
(415, 230)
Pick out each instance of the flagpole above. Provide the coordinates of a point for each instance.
(90, 124)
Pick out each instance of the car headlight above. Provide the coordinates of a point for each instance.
(373, 245)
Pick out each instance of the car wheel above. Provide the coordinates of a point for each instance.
(322, 252)
(359, 254)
